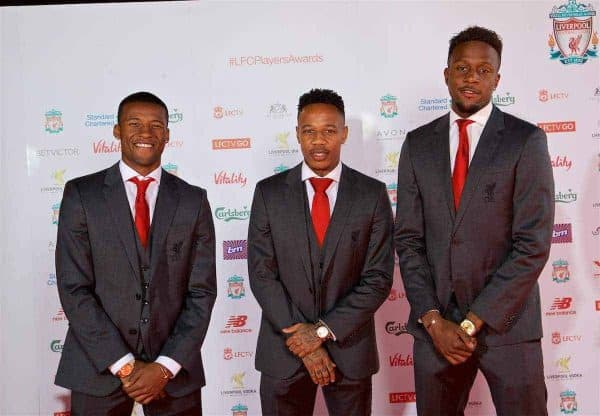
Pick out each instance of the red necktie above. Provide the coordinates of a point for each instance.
(142, 211)
(461, 163)
(320, 207)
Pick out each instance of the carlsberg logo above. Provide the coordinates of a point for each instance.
(229, 214)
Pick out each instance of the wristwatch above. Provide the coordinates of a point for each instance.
(468, 326)
(126, 370)
(322, 332)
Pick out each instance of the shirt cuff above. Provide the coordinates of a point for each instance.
(171, 365)
(420, 320)
(329, 329)
(119, 364)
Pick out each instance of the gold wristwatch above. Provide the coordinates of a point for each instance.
(468, 326)
(126, 370)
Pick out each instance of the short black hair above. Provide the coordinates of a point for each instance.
(321, 96)
(477, 33)
(142, 97)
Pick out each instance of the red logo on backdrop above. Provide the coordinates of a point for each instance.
(236, 143)
(59, 316)
(561, 162)
(235, 325)
(229, 354)
(558, 126)
(62, 413)
(598, 305)
(557, 338)
(398, 360)
(236, 321)
(403, 397)
(562, 233)
(561, 306)
(596, 268)
(561, 303)
(396, 295)
(233, 178)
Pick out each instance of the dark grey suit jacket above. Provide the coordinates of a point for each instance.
(357, 269)
(100, 281)
(489, 253)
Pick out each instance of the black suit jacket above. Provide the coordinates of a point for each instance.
(100, 281)
(491, 251)
(357, 269)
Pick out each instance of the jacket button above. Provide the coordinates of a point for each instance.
(133, 331)
(138, 296)
(145, 320)
(145, 268)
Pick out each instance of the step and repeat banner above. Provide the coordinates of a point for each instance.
(231, 74)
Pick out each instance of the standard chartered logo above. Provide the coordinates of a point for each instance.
(232, 214)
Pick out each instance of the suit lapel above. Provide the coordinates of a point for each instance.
(488, 143)
(164, 211)
(341, 213)
(298, 220)
(116, 200)
(442, 159)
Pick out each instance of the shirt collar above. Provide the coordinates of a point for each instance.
(481, 117)
(127, 173)
(308, 173)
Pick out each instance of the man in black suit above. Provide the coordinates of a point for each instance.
(135, 262)
(319, 280)
(473, 232)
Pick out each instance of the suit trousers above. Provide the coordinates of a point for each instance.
(119, 404)
(515, 375)
(295, 396)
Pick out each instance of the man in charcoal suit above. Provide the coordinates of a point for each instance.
(320, 264)
(135, 263)
(473, 232)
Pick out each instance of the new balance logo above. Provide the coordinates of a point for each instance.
(235, 325)
(561, 306)
(236, 321)
(561, 303)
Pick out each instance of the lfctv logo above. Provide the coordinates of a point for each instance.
(233, 143)
(558, 126)
(403, 397)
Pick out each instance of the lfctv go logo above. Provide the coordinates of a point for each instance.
(558, 126)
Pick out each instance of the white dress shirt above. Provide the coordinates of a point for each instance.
(331, 192)
(474, 131)
(151, 194)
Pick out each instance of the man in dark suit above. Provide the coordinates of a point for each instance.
(135, 262)
(319, 280)
(473, 231)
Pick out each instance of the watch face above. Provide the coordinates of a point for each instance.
(322, 332)
(468, 326)
(125, 370)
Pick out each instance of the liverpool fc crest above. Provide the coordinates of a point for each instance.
(573, 34)
(389, 108)
(560, 271)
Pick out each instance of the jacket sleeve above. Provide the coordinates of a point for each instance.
(263, 268)
(360, 304)
(409, 239)
(504, 295)
(191, 326)
(89, 323)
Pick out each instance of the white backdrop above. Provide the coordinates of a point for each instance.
(235, 71)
